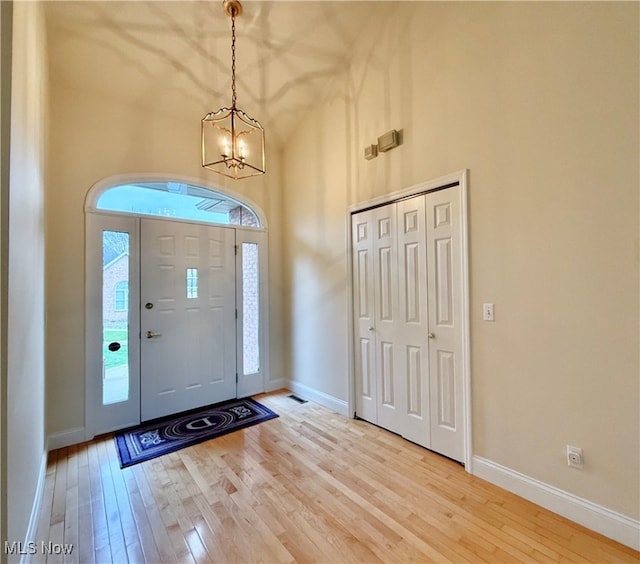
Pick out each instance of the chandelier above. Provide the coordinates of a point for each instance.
(232, 142)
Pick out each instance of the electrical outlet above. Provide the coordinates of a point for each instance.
(575, 458)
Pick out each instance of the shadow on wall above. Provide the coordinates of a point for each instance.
(178, 55)
(379, 99)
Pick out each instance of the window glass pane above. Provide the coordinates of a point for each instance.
(115, 317)
(122, 296)
(177, 200)
(192, 283)
(250, 309)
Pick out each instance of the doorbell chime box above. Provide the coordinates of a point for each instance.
(388, 141)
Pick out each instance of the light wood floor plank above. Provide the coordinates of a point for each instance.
(309, 486)
(46, 506)
(114, 519)
(145, 533)
(85, 549)
(102, 550)
(128, 523)
(60, 488)
(162, 542)
(56, 536)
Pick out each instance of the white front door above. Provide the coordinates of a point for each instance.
(188, 316)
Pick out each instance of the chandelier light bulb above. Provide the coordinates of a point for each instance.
(226, 147)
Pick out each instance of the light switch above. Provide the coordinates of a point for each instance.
(487, 312)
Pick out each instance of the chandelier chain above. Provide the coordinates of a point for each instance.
(233, 59)
(232, 142)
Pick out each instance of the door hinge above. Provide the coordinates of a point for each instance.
(236, 377)
(235, 249)
(236, 313)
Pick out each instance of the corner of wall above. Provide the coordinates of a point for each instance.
(325, 400)
(6, 35)
(32, 529)
(24, 451)
(67, 438)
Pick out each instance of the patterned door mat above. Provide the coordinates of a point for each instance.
(161, 436)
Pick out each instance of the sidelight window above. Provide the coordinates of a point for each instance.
(115, 317)
(250, 308)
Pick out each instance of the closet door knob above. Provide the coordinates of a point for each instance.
(371, 329)
(432, 336)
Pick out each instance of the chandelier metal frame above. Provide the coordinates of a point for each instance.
(230, 137)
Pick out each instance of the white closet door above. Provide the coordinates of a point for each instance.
(362, 226)
(412, 329)
(444, 256)
(390, 388)
(408, 292)
(390, 303)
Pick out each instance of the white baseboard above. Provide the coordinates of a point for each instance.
(66, 438)
(274, 385)
(609, 523)
(32, 529)
(326, 400)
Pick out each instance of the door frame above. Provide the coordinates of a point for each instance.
(459, 179)
(95, 221)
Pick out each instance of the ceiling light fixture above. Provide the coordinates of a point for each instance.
(232, 142)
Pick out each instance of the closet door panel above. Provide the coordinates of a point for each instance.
(412, 327)
(363, 225)
(444, 240)
(388, 350)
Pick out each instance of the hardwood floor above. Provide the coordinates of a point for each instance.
(310, 486)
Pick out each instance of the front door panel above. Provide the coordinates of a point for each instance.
(187, 293)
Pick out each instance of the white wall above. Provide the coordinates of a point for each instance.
(25, 344)
(94, 137)
(6, 25)
(540, 102)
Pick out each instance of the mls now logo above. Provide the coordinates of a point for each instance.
(18, 547)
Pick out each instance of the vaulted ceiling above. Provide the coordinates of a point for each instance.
(176, 56)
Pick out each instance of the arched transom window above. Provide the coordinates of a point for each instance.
(177, 200)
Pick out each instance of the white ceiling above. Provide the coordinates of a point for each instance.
(176, 56)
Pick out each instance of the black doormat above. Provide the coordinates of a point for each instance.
(161, 436)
